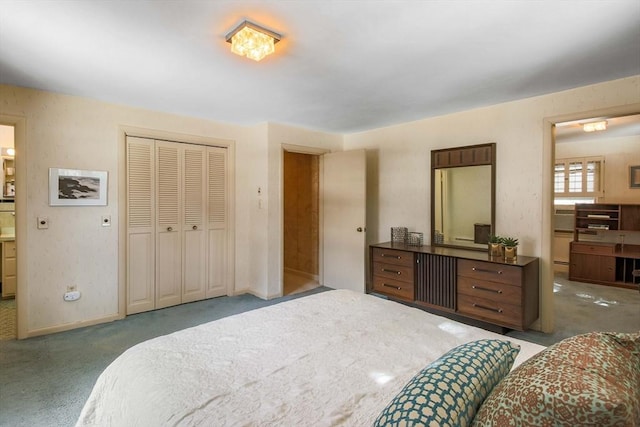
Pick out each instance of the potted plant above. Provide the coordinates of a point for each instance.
(510, 248)
(496, 250)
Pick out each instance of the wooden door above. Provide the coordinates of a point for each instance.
(193, 223)
(217, 203)
(140, 246)
(168, 230)
(344, 212)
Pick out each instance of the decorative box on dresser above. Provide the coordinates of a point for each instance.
(461, 282)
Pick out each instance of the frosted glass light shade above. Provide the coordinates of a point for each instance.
(252, 41)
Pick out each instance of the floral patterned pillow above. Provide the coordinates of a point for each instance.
(590, 379)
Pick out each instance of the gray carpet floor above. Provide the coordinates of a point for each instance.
(44, 381)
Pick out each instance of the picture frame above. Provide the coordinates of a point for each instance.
(634, 176)
(75, 187)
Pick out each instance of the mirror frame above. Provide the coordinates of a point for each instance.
(470, 155)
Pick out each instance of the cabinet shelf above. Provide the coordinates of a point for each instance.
(603, 262)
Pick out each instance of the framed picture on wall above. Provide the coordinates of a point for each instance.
(634, 176)
(74, 187)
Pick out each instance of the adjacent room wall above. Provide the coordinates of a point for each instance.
(398, 183)
(301, 186)
(619, 153)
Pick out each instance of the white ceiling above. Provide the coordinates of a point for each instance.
(342, 66)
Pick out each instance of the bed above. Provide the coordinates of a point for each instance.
(328, 359)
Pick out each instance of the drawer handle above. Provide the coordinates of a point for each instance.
(386, 270)
(482, 270)
(497, 310)
(480, 288)
(391, 286)
(390, 256)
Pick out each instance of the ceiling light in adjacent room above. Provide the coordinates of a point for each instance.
(252, 41)
(594, 126)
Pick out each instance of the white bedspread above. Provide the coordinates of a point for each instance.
(334, 358)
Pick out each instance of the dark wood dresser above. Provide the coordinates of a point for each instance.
(461, 282)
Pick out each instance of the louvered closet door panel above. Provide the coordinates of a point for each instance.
(140, 225)
(217, 195)
(168, 224)
(194, 203)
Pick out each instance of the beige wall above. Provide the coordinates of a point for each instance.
(6, 136)
(64, 131)
(619, 153)
(398, 164)
(73, 132)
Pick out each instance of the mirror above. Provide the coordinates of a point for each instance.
(463, 196)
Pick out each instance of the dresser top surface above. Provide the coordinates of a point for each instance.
(520, 260)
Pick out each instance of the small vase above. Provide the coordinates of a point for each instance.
(510, 253)
(496, 250)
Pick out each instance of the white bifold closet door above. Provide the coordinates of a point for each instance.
(177, 224)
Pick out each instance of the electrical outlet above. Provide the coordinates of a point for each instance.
(71, 296)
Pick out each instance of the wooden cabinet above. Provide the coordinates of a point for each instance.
(461, 282)
(8, 269)
(603, 262)
(393, 273)
(592, 262)
(503, 294)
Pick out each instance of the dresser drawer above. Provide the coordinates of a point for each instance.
(593, 248)
(493, 272)
(494, 291)
(402, 273)
(393, 287)
(392, 256)
(489, 310)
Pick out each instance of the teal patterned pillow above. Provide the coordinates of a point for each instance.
(450, 390)
(591, 379)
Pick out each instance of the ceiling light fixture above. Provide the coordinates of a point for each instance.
(252, 41)
(594, 126)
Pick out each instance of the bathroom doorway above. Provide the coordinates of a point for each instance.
(301, 222)
(8, 309)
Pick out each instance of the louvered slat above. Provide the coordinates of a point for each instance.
(217, 186)
(168, 185)
(193, 183)
(436, 280)
(139, 185)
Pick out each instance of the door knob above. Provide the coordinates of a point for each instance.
(359, 229)
(169, 228)
(195, 227)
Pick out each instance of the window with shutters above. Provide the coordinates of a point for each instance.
(581, 177)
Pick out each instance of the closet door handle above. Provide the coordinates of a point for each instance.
(169, 228)
(195, 227)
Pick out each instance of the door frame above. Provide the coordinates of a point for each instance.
(313, 151)
(547, 315)
(123, 132)
(19, 124)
